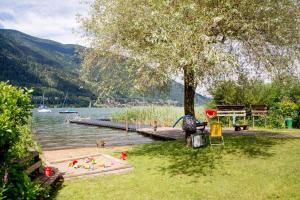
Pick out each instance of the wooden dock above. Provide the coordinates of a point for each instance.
(165, 133)
(109, 124)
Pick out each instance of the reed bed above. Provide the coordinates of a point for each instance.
(164, 115)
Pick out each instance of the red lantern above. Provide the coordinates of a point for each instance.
(123, 155)
(211, 113)
(48, 171)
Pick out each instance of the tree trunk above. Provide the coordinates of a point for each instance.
(189, 90)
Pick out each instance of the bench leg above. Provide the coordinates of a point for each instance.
(237, 128)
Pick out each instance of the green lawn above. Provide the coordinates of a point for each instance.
(274, 130)
(246, 168)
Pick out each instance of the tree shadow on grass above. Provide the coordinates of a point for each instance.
(203, 161)
(252, 147)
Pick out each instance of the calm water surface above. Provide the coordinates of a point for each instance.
(53, 132)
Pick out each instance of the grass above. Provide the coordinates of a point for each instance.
(164, 115)
(274, 130)
(246, 168)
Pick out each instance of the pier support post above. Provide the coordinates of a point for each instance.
(155, 125)
(126, 125)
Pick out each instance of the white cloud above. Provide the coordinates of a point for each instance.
(50, 19)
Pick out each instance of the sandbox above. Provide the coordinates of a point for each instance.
(89, 165)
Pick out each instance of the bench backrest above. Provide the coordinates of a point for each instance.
(230, 107)
(231, 110)
(34, 155)
(259, 110)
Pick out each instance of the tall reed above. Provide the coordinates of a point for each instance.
(164, 115)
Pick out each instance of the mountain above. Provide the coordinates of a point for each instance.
(53, 68)
(47, 66)
(177, 91)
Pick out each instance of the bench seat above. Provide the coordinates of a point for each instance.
(238, 127)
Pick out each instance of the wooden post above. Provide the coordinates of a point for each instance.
(155, 125)
(253, 121)
(126, 125)
(229, 121)
(265, 120)
(244, 120)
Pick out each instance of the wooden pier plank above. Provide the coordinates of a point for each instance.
(167, 133)
(109, 124)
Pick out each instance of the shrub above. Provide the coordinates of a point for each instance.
(15, 142)
(281, 110)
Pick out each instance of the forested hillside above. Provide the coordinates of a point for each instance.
(53, 68)
(47, 66)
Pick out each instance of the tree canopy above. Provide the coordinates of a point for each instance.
(190, 38)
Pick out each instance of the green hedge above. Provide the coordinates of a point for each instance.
(281, 110)
(15, 142)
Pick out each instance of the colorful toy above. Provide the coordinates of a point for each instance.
(101, 165)
(93, 167)
(77, 165)
(123, 155)
(86, 166)
(72, 163)
(90, 159)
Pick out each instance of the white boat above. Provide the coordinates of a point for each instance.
(43, 108)
(67, 111)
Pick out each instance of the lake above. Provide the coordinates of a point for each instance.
(53, 132)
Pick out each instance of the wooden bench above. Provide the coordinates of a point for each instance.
(259, 110)
(35, 170)
(238, 127)
(233, 111)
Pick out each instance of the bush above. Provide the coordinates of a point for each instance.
(280, 111)
(15, 142)
(282, 96)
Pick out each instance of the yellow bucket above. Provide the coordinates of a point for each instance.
(216, 130)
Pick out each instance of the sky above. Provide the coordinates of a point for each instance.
(48, 19)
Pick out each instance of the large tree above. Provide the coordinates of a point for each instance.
(163, 39)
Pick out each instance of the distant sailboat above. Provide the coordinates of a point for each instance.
(67, 111)
(43, 108)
